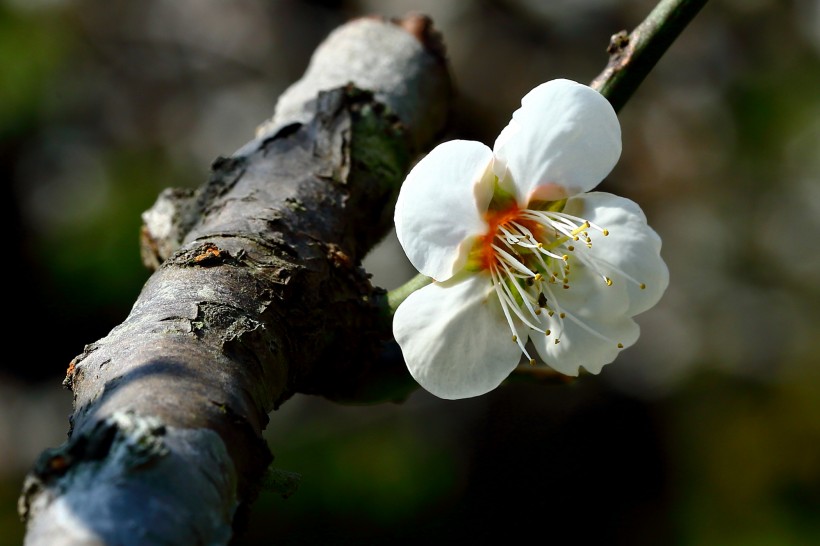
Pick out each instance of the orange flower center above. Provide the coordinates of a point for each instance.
(496, 220)
(531, 255)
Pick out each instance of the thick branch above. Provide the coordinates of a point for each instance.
(256, 296)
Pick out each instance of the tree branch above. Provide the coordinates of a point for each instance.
(632, 56)
(256, 295)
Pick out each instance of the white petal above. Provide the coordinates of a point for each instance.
(579, 347)
(454, 337)
(588, 295)
(631, 246)
(595, 319)
(441, 205)
(563, 140)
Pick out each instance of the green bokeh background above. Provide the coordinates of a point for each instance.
(707, 432)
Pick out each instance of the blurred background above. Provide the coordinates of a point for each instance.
(706, 432)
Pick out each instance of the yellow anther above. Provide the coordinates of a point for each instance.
(566, 287)
(557, 341)
(620, 345)
(537, 277)
(570, 248)
(515, 339)
(563, 315)
(608, 281)
(575, 238)
(565, 257)
(643, 286)
(550, 313)
(540, 245)
(532, 362)
(537, 310)
(606, 232)
(547, 332)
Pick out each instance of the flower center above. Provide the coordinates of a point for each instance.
(532, 255)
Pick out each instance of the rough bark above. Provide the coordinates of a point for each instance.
(257, 294)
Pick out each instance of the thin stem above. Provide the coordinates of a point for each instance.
(396, 296)
(632, 56)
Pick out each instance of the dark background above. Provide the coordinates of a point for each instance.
(706, 432)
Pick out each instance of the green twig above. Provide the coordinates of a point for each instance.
(398, 295)
(633, 55)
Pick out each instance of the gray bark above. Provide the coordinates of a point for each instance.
(257, 295)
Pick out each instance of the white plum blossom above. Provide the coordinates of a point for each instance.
(520, 250)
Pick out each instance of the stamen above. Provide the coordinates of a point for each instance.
(511, 260)
(551, 312)
(598, 265)
(589, 329)
(523, 229)
(504, 308)
(511, 300)
(519, 261)
(542, 218)
(584, 222)
(550, 254)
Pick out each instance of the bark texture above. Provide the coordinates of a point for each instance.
(257, 294)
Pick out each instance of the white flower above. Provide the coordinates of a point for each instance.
(519, 251)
